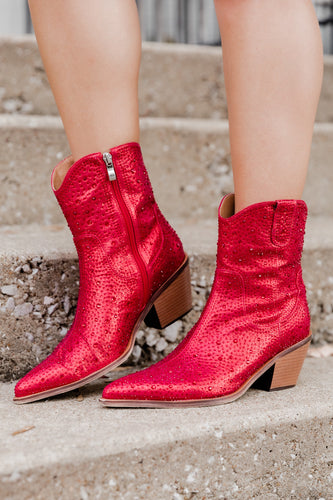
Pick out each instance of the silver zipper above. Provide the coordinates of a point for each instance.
(107, 157)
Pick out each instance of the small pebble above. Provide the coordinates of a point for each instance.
(67, 304)
(48, 300)
(136, 353)
(9, 289)
(153, 356)
(23, 309)
(10, 304)
(29, 336)
(140, 335)
(161, 345)
(52, 308)
(172, 331)
(151, 338)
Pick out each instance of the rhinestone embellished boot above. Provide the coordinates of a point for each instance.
(132, 267)
(254, 329)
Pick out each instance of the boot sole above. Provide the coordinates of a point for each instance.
(171, 302)
(281, 372)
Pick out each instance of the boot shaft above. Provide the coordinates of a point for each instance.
(264, 236)
(107, 198)
(87, 195)
(261, 248)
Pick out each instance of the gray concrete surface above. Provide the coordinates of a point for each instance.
(165, 69)
(39, 283)
(265, 445)
(188, 161)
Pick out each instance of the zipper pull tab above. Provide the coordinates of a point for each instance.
(107, 157)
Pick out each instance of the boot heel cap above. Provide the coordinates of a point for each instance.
(174, 302)
(285, 371)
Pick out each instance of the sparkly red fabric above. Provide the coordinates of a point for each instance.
(256, 309)
(111, 240)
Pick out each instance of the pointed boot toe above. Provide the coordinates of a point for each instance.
(123, 388)
(42, 381)
(142, 388)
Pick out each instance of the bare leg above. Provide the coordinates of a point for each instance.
(273, 63)
(91, 52)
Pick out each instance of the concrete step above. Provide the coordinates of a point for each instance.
(39, 283)
(175, 80)
(188, 160)
(266, 445)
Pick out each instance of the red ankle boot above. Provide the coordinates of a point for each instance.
(132, 267)
(255, 326)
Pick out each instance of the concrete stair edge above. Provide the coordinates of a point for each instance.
(198, 237)
(156, 47)
(168, 47)
(191, 156)
(191, 124)
(24, 86)
(87, 439)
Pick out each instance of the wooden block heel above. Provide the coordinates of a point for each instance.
(174, 302)
(285, 371)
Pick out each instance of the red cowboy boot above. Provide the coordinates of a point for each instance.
(255, 326)
(132, 267)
